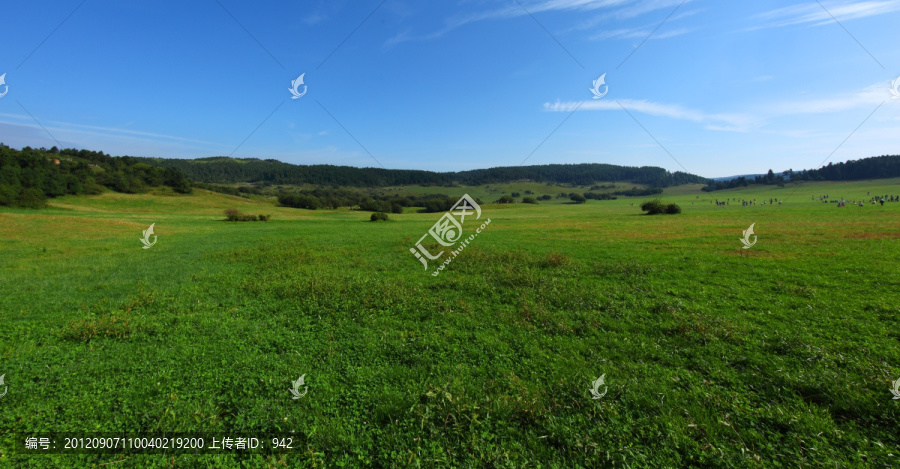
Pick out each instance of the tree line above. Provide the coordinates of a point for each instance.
(876, 167)
(225, 170)
(28, 177)
(325, 198)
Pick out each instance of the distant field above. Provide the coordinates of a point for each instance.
(781, 355)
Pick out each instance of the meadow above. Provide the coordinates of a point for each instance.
(781, 355)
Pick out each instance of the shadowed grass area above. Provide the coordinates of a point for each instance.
(717, 356)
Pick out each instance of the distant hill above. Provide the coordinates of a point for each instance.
(29, 176)
(876, 167)
(729, 178)
(225, 170)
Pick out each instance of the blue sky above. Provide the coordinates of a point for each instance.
(718, 88)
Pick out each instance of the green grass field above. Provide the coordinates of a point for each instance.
(782, 355)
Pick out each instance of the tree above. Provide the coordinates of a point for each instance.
(578, 198)
(656, 207)
(653, 207)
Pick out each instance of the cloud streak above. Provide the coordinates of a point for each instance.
(733, 122)
(737, 122)
(621, 10)
(815, 15)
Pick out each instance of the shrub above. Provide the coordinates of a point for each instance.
(545, 197)
(233, 214)
(299, 201)
(264, 217)
(379, 216)
(516, 194)
(656, 206)
(577, 198)
(438, 205)
(31, 198)
(596, 196)
(635, 192)
(529, 200)
(396, 208)
(505, 200)
(653, 207)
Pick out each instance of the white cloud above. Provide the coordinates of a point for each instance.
(816, 15)
(621, 10)
(314, 19)
(639, 33)
(732, 122)
(868, 97)
(755, 119)
(123, 141)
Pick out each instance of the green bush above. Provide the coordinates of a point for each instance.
(653, 207)
(379, 216)
(577, 198)
(233, 214)
(656, 207)
(529, 200)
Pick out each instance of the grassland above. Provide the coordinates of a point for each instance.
(714, 356)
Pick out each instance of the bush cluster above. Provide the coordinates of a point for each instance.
(369, 202)
(596, 196)
(379, 216)
(233, 214)
(656, 207)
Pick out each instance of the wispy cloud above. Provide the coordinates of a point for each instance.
(754, 119)
(638, 33)
(638, 9)
(813, 14)
(866, 98)
(618, 10)
(314, 19)
(734, 122)
(13, 126)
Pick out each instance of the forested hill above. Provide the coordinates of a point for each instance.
(226, 170)
(29, 176)
(876, 167)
